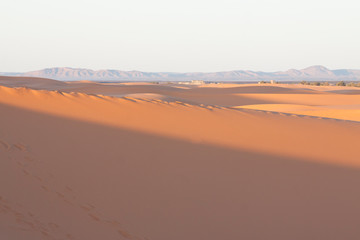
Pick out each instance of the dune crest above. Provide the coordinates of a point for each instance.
(209, 124)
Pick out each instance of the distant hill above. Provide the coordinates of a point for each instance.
(313, 73)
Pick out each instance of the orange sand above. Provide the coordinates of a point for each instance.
(177, 162)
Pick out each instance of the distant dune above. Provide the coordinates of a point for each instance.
(312, 73)
(85, 160)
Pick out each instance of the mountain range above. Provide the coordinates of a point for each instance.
(313, 73)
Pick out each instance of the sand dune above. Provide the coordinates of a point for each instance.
(163, 162)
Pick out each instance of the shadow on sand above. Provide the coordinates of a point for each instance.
(163, 188)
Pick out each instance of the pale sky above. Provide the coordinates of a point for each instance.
(179, 36)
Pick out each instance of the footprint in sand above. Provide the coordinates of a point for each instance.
(125, 234)
(4, 145)
(45, 234)
(38, 178)
(53, 226)
(20, 164)
(29, 159)
(19, 146)
(87, 207)
(95, 218)
(60, 195)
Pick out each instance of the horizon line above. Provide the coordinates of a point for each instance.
(112, 69)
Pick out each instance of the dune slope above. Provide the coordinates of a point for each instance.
(79, 166)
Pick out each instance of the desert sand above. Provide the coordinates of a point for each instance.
(84, 160)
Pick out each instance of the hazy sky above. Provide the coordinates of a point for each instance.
(186, 35)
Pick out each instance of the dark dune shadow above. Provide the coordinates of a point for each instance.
(84, 87)
(31, 82)
(224, 100)
(111, 90)
(163, 188)
(225, 97)
(194, 95)
(346, 92)
(251, 89)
